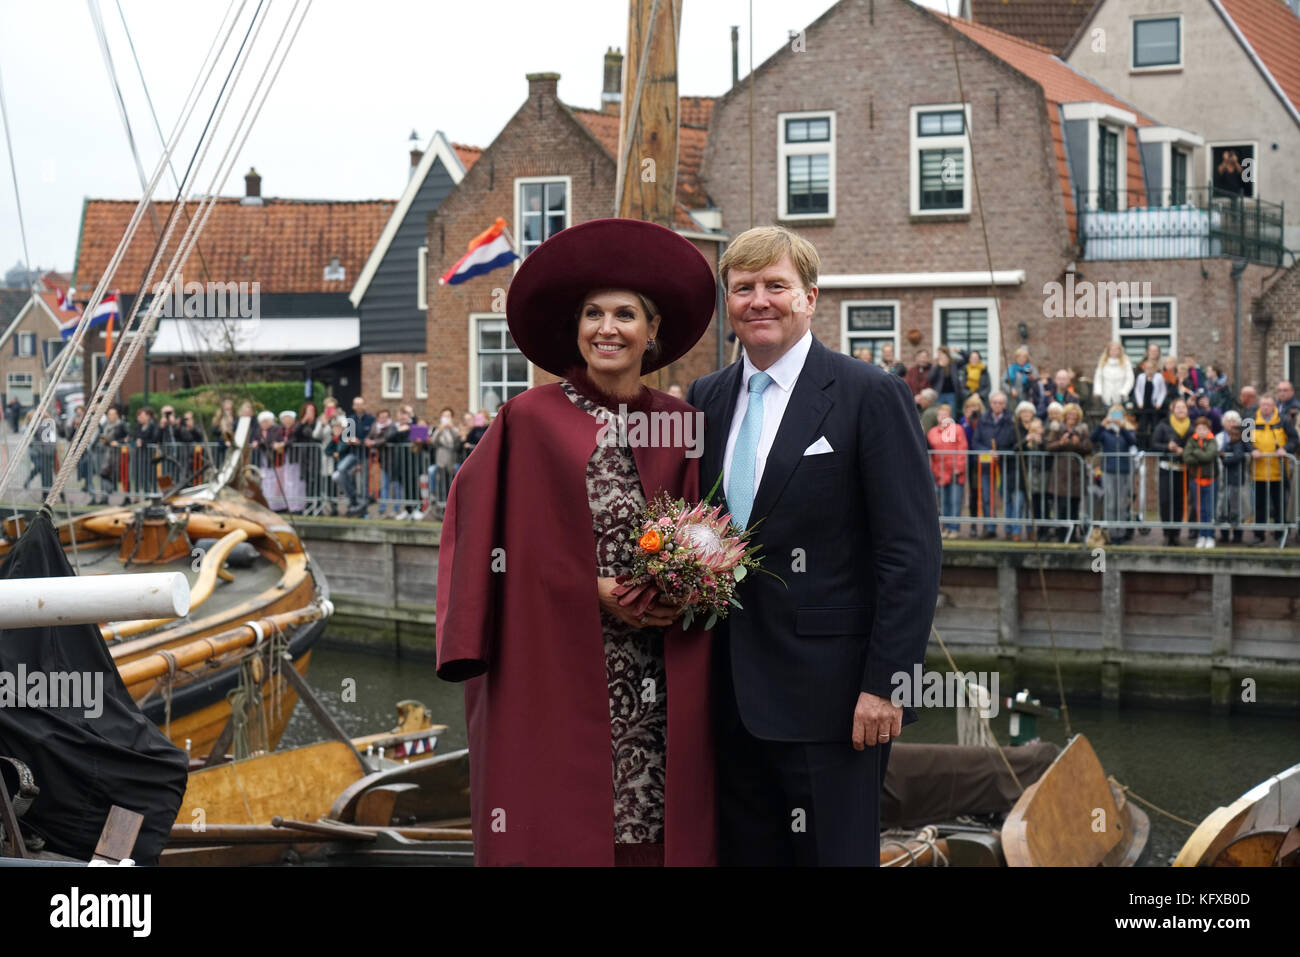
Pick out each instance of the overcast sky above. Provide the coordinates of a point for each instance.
(361, 76)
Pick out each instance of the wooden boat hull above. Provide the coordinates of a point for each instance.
(285, 582)
(1251, 831)
(1073, 817)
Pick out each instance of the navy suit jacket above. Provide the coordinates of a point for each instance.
(854, 534)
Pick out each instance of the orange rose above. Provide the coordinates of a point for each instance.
(651, 541)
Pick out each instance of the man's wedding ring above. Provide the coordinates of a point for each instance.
(883, 737)
(643, 619)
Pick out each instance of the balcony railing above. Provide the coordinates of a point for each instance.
(1183, 224)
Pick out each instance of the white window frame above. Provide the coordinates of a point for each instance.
(1288, 373)
(992, 359)
(517, 230)
(25, 351)
(784, 150)
(845, 332)
(916, 142)
(1172, 140)
(422, 380)
(386, 392)
(14, 378)
(1132, 39)
(474, 319)
(1209, 163)
(1119, 121)
(422, 278)
(1118, 334)
(95, 373)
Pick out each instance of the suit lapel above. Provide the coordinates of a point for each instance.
(803, 416)
(720, 408)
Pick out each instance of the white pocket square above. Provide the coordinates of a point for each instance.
(820, 447)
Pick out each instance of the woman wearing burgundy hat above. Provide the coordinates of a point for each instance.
(588, 714)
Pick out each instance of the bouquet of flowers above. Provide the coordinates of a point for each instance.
(693, 555)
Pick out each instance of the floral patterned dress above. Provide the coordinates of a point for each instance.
(634, 657)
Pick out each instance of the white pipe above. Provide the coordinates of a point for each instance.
(90, 599)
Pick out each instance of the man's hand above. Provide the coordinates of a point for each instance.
(873, 719)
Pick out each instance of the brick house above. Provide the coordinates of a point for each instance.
(266, 287)
(550, 167)
(29, 341)
(897, 175)
(390, 295)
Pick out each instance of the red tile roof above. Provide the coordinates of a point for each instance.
(283, 244)
(1048, 23)
(1274, 33)
(692, 134)
(1060, 83)
(468, 155)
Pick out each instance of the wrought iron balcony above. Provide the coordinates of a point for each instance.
(1186, 224)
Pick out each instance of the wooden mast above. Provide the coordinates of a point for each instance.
(647, 135)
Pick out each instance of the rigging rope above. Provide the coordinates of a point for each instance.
(75, 342)
(13, 169)
(1002, 349)
(126, 356)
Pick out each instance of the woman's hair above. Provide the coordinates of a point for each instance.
(1024, 407)
(266, 415)
(1072, 408)
(1105, 354)
(973, 401)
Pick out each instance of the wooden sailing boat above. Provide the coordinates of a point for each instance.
(242, 620)
(1259, 829)
(1074, 817)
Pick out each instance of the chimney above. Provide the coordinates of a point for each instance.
(735, 55)
(611, 97)
(543, 84)
(252, 188)
(417, 154)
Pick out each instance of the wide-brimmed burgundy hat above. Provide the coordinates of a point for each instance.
(542, 306)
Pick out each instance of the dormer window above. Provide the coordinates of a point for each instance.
(1104, 128)
(335, 272)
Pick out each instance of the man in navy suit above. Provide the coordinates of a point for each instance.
(824, 455)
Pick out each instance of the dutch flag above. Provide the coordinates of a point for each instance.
(106, 311)
(487, 251)
(65, 300)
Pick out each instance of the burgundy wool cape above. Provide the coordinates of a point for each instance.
(518, 621)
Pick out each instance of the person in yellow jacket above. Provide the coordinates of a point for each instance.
(1274, 437)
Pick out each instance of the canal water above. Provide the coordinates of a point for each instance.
(1185, 762)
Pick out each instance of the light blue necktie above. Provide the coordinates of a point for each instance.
(740, 488)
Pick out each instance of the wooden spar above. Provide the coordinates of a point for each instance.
(203, 588)
(647, 138)
(214, 646)
(45, 602)
(183, 835)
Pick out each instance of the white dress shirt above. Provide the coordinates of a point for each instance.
(785, 373)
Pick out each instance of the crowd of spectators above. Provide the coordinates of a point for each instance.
(1220, 462)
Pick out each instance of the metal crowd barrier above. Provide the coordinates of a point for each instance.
(1063, 496)
(1029, 494)
(389, 480)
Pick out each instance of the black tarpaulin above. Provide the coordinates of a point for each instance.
(83, 763)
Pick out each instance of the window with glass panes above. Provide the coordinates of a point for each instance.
(26, 343)
(869, 326)
(943, 170)
(807, 170)
(502, 368)
(1142, 323)
(965, 329)
(1108, 168)
(1177, 178)
(1156, 43)
(542, 213)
